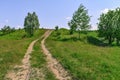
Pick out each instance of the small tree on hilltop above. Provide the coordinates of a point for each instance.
(80, 20)
(56, 28)
(57, 32)
(31, 23)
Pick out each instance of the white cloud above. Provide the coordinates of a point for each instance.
(18, 26)
(94, 27)
(68, 18)
(105, 10)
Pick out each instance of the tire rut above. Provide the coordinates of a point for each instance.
(22, 72)
(53, 64)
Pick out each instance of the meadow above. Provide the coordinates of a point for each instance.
(13, 47)
(89, 58)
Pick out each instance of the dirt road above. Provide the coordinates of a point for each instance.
(22, 72)
(53, 64)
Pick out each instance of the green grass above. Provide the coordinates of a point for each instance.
(38, 62)
(12, 49)
(86, 59)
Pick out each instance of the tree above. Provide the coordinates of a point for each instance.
(7, 30)
(116, 24)
(80, 20)
(109, 26)
(105, 26)
(56, 28)
(35, 21)
(57, 32)
(31, 23)
(73, 26)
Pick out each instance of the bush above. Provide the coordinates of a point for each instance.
(7, 30)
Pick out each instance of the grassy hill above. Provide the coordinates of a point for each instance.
(86, 59)
(12, 49)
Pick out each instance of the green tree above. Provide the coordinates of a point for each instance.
(6, 30)
(106, 27)
(57, 32)
(31, 23)
(73, 26)
(56, 28)
(35, 21)
(116, 24)
(80, 20)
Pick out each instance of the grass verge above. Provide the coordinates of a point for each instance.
(85, 59)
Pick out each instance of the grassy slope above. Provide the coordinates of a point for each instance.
(13, 48)
(38, 62)
(86, 61)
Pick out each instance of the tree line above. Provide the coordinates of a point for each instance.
(7, 30)
(108, 26)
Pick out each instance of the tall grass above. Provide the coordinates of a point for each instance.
(86, 60)
(12, 49)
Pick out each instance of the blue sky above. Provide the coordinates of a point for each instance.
(51, 12)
